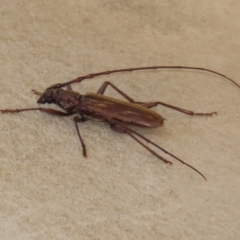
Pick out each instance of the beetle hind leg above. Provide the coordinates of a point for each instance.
(104, 86)
(182, 110)
(122, 128)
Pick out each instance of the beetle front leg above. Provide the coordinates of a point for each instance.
(76, 120)
(46, 110)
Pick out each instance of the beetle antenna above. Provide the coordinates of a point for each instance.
(92, 75)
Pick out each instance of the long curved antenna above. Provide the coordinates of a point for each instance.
(92, 75)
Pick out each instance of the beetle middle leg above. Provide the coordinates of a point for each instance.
(102, 89)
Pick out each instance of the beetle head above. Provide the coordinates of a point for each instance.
(47, 97)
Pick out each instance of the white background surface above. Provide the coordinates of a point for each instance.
(49, 191)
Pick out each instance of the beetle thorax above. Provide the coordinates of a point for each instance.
(63, 98)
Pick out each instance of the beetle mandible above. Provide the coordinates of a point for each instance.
(120, 115)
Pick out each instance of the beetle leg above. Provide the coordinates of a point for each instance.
(185, 111)
(124, 129)
(76, 120)
(102, 89)
(46, 110)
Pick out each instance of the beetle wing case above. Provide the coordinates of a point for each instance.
(111, 108)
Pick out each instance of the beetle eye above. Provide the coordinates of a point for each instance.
(46, 98)
(41, 100)
(49, 100)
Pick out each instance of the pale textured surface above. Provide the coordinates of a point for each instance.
(47, 189)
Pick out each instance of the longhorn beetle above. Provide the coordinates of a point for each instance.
(118, 114)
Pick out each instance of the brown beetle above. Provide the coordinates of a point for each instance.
(118, 114)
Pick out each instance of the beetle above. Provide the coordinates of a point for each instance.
(120, 115)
